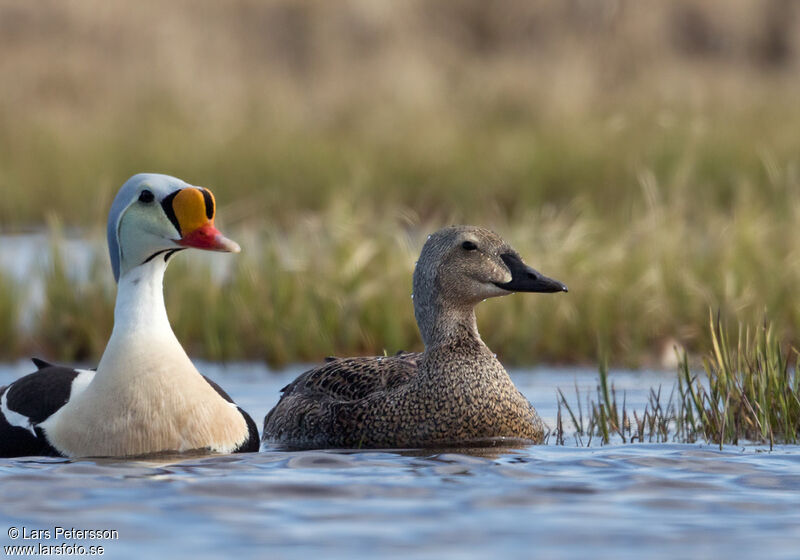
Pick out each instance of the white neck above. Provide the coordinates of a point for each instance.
(147, 395)
(142, 335)
(140, 308)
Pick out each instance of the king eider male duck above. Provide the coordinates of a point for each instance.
(454, 394)
(146, 395)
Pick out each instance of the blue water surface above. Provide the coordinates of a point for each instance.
(617, 501)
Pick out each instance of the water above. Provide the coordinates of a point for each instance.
(619, 501)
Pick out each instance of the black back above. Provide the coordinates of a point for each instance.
(37, 396)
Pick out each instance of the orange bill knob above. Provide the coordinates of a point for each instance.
(194, 209)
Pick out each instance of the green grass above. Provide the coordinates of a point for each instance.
(606, 418)
(300, 297)
(748, 392)
(9, 313)
(615, 149)
(75, 320)
(464, 167)
(751, 390)
(338, 281)
(649, 224)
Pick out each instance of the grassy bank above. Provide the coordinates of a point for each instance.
(339, 282)
(645, 153)
(748, 391)
(649, 225)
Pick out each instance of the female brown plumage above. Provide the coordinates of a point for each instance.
(455, 393)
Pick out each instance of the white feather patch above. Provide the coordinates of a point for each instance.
(15, 418)
(80, 382)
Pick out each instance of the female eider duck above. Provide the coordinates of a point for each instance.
(455, 393)
(146, 395)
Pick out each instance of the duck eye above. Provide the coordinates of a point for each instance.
(469, 246)
(146, 196)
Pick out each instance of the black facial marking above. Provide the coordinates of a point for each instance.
(209, 200)
(166, 204)
(168, 254)
(154, 255)
(146, 196)
(469, 246)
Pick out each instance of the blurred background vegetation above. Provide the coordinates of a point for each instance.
(646, 153)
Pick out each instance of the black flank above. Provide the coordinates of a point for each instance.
(252, 441)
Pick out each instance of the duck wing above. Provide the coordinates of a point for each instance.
(32, 399)
(349, 379)
(311, 406)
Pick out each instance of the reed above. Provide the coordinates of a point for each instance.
(747, 392)
(608, 419)
(339, 282)
(750, 390)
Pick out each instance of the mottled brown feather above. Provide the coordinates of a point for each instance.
(349, 379)
(454, 394)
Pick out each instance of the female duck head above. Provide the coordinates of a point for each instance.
(460, 266)
(157, 214)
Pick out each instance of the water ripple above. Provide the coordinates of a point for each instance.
(623, 501)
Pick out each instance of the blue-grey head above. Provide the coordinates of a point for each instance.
(154, 215)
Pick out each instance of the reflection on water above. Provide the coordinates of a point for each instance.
(624, 501)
